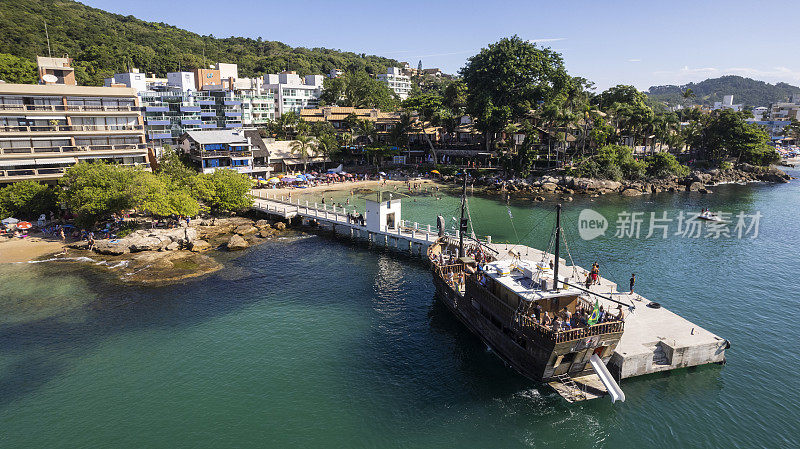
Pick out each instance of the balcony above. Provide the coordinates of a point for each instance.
(206, 102)
(233, 125)
(67, 108)
(191, 122)
(156, 108)
(208, 114)
(159, 136)
(190, 108)
(68, 128)
(209, 126)
(157, 122)
(71, 150)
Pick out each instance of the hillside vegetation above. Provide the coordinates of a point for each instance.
(102, 43)
(746, 91)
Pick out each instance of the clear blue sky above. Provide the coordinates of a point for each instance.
(642, 42)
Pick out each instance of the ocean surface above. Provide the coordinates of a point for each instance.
(313, 341)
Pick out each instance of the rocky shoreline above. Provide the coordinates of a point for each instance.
(157, 256)
(697, 181)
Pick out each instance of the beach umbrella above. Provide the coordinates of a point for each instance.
(24, 225)
(301, 178)
(310, 176)
(10, 220)
(382, 173)
(349, 175)
(274, 180)
(435, 172)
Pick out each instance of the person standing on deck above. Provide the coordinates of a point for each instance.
(633, 281)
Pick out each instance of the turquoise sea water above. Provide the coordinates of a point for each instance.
(311, 341)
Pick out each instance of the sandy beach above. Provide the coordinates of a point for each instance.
(345, 186)
(29, 248)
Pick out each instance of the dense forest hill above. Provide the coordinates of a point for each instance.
(102, 43)
(745, 91)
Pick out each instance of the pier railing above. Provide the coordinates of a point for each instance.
(283, 204)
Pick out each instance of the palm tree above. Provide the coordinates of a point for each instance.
(398, 135)
(304, 146)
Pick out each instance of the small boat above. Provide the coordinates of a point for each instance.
(708, 216)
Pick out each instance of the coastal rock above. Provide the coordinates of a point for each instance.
(138, 243)
(539, 199)
(199, 246)
(704, 190)
(266, 232)
(262, 224)
(280, 226)
(549, 187)
(694, 186)
(587, 184)
(246, 229)
(110, 247)
(631, 192)
(236, 243)
(172, 246)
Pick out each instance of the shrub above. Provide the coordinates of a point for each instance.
(664, 165)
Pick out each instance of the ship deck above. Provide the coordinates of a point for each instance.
(655, 339)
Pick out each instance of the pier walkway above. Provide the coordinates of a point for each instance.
(411, 236)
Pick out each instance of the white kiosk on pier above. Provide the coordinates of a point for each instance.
(383, 211)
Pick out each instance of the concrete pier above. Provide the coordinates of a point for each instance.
(654, 340)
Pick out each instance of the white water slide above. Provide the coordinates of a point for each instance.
(611, 385)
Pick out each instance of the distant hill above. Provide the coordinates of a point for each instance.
(746, 91)
(102, 43)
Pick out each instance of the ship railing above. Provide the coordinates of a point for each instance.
(589, 331)
(533, 328)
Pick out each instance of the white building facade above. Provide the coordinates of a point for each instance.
(399, 84)
(293, 93)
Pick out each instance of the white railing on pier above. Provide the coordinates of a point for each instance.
(286, 206)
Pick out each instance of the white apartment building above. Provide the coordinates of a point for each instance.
(293, 93)
(400, 84)
(727, 103)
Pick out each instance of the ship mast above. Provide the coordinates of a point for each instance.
(558, 245)
(462, 228)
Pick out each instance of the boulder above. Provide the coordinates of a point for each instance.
(280, 226)
(172, 246)
(266, 232)
(549, 187)
(631, 192)
(262, 224)
(138, 243)
(694, 186)
(111, 247)
(199, 246)
(704, 190)
(539, 199)
(246, 229)
(236, 243)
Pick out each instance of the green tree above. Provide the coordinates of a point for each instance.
(398, 135)
(224, 190)
(173, 167)
(304, 146)
(358, 90)
(17, 70)
(724, 134)
(95, 190)
(27, 199)
(508, 79)
(664, 165)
